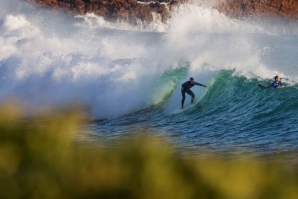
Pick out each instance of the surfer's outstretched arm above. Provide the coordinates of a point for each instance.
(196, 83)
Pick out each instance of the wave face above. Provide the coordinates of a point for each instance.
(131, 76)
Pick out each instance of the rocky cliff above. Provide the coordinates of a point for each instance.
(134, 10)
(284, 9)
(128, 10)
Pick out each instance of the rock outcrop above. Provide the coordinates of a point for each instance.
(128, 10)
(285, 9)
(134, 10)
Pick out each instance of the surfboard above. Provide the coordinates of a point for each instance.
(186, 107)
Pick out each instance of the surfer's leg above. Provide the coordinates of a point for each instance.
(183, 98)
(260, 85)
(263, 87)
(192, 95)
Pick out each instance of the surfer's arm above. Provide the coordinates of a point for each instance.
(196, 83)
(183, 85)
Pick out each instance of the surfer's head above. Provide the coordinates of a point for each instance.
(277, 78)
(191, 80)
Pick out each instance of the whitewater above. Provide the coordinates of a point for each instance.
(128, 78)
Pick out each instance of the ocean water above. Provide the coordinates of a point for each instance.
(128, 78)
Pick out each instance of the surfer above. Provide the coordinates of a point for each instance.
(277, 83)
(186, 89)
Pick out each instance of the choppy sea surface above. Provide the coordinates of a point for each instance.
(128, 78)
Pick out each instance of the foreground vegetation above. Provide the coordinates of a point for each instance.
(39, 159)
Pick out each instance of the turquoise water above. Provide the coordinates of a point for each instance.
(128, 78)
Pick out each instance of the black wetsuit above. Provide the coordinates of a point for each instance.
(186, 89)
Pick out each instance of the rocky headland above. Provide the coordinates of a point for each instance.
(134, 10)
(283, 9)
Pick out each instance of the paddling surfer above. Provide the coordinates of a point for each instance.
(185, 88)
(277, 83)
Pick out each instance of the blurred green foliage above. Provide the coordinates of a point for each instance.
(39, 159)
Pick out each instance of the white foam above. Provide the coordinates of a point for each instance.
(90, 20)
(152, 2)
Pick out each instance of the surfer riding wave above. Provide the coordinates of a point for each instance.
(277, 83)
(185, 88)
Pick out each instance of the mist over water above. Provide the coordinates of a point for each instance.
(133, 74)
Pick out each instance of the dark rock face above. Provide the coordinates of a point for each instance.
(134, 10)
(128, 10)
(286, 9)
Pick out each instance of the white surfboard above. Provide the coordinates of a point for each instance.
(186, 107)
